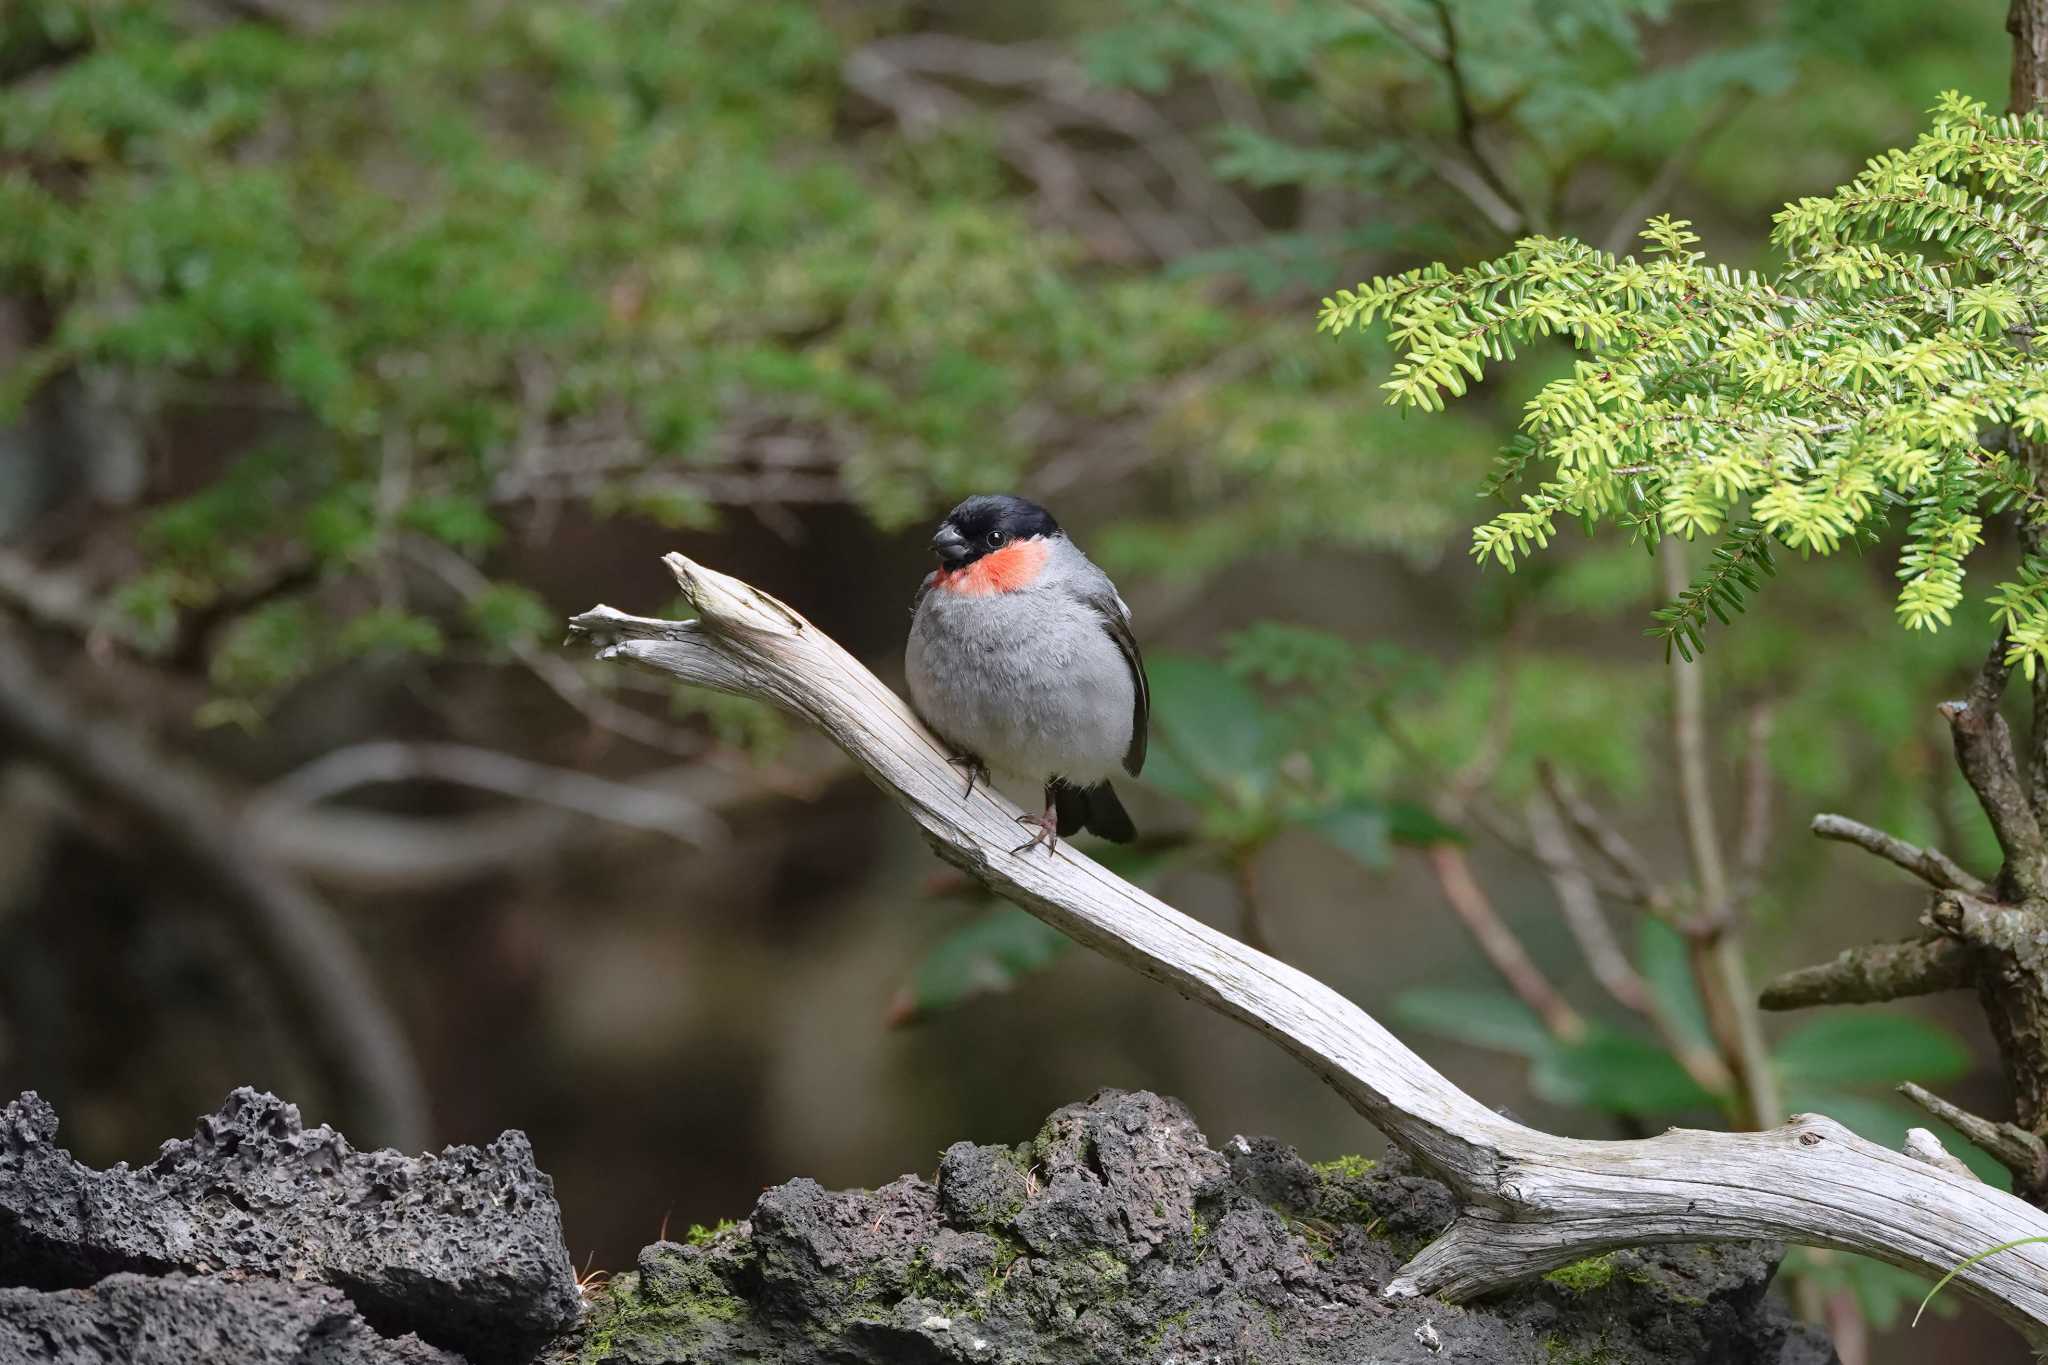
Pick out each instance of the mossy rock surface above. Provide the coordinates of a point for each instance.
(1118, 1235)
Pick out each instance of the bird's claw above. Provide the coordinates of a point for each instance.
(976, 771)
(1048, 833)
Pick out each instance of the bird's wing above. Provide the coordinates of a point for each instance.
(922, 589)
(1116, 620)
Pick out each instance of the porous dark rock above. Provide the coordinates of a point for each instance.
(464, 1248)
(1118, 1236)
(180, 1320)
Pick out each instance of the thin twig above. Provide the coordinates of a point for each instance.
(1468, 117)
(1930, 865)
(2019, 1151)
(1753, 846)
(1499, 944)
(388, 760)
(1251, 918)
(1580, 905)
(559, 675)
(1613, 848)
(1716, 946)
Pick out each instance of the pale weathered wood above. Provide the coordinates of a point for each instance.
(1533, 1201)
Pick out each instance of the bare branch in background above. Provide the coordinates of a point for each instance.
(1871, 973)
(2019, 1151)
(561, 676)
(1052, 95)
(1622, 231)
(1499, 944)
(1580, 905)
(61, 599)
(351, 1027)
(1716, 948)
(1753, 845)
(1930, 865)
(1629, 867)
(1468, 123)
(1531, 1201)
(390, 760)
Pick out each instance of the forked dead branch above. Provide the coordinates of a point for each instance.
(1532, 1201)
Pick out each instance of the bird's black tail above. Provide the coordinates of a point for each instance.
(1094, 809)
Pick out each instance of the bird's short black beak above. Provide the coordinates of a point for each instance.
(950, 546)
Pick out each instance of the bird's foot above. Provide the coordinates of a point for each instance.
(976, 771)
(1048, 827)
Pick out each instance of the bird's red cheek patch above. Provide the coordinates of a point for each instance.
(1006, 570)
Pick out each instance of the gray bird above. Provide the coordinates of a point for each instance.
(1021, 658)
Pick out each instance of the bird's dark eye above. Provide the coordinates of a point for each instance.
(996, 538)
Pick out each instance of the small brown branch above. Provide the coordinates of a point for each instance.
(1468, 118)
(1716, 949)
(1930, 865)
(1579, 904)
(1984, 751)
(1754, 844)
(1871, 973)
(2019, 1151)
(1498, 942)
(1630, 868)
(1251, 918)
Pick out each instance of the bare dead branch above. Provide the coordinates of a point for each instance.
(353, 1031)
(1930, 865)
(1873, 972)
(2019, 1151)
(378, 761)
(1531, 1200)
(1499, 945)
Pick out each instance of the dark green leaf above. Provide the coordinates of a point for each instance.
(1665, 963)
(1213, 727)
(1361, 828)
(1864, 1047)
(1618, 1073)
(1482, 1018)
(983, 957)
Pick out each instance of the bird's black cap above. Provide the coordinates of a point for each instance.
(989, 521)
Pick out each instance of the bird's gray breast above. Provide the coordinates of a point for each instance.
(1029, 681)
